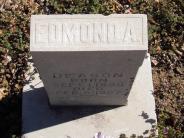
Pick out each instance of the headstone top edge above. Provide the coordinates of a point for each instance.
(93, 49)
(87, 16)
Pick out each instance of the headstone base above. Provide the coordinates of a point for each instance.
(138, 117)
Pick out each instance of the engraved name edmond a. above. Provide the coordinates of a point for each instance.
(97, 32)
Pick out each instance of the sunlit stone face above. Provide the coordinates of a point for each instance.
(86, 33)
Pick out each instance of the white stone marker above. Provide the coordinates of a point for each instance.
(88, 59)
(138, 117)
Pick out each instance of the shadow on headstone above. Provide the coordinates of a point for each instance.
(39, 114)
(126, 63)
(44, 115)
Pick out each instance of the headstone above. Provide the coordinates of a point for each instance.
(88, 59)
(137, 117)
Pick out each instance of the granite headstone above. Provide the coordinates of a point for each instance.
(88, 59)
